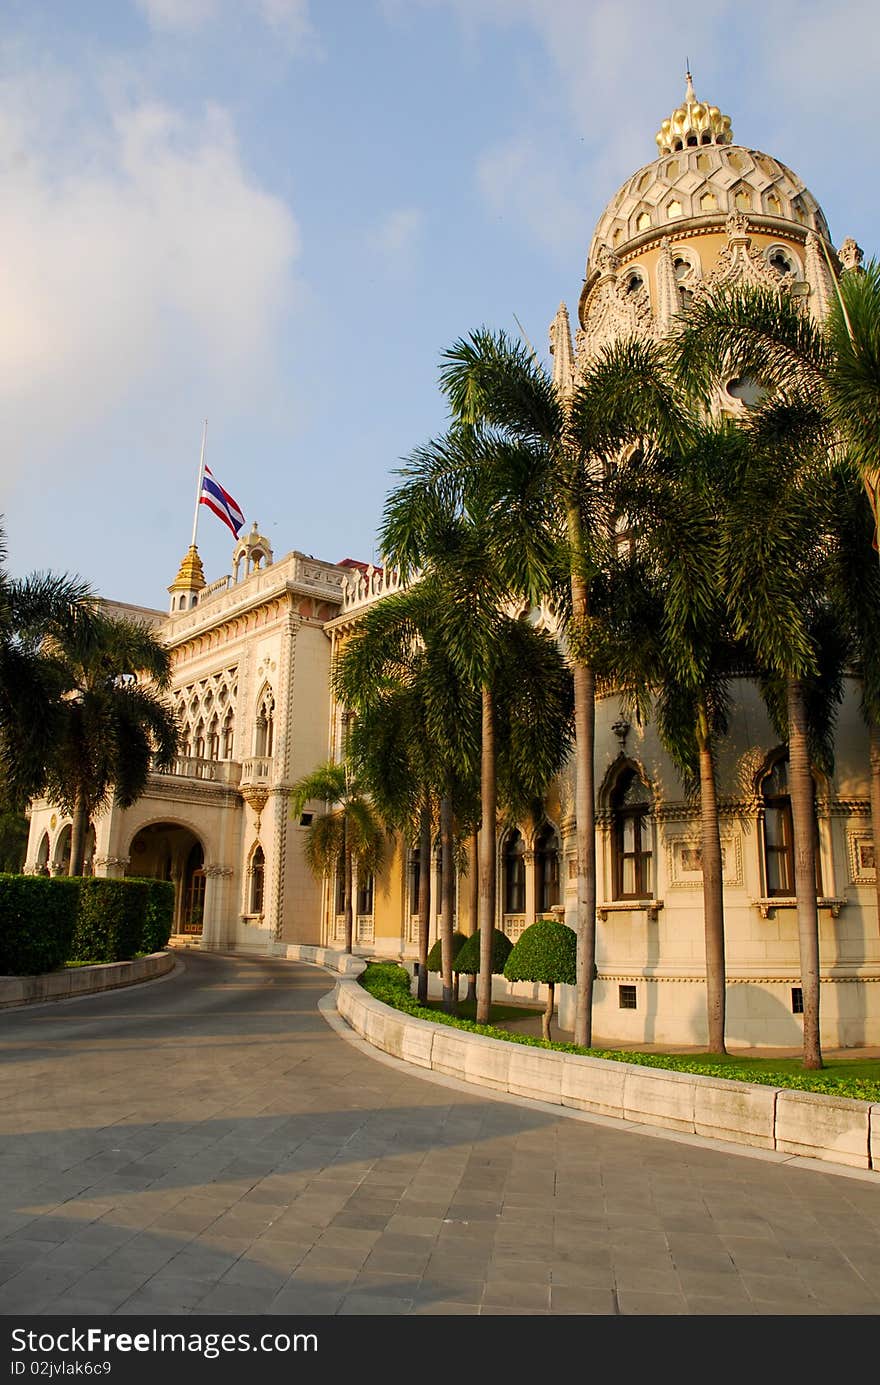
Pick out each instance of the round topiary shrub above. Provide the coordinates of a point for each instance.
(547, 953)
(435, 961)
(467, 960)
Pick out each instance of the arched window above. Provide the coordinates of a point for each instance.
(265, 727)
(632, 862)
(214, 739)
(199, 745)
(547, 869)
(779, 831)
(514, 873)
(365, 894)
(258, 873)
(228, 735)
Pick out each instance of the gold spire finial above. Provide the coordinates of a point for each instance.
(191, 577)
(693, 123)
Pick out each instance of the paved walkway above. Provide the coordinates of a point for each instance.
(208, 1144)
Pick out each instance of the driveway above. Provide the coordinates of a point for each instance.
(209, 1144)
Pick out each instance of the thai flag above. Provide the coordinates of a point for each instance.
(221, 502)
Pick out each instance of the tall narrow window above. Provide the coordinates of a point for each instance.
(258, 873)
(228, 735)
(547, 869)
(779, 832)
(415, 867)
(265, 728)
(365, 894)
(340, 884)
(214, 740)
(514, 873)
(631, 838)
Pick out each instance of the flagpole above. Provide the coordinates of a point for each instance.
(199, 486)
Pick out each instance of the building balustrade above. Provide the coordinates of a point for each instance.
(212, 771)
(257, 770)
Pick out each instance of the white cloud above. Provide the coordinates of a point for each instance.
(177, 15)
(136, 254)
(397, 235)
(288, 19)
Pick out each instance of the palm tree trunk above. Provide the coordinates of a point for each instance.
(349, 922)
(424, 895)
(78, 835)
(874, 733)
(447, 903)
(489, 796)
(713, 890)
(473, 901)
(802, 811)
(585, 798)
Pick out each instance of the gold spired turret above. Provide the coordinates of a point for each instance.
(693, 123)
(188, 582)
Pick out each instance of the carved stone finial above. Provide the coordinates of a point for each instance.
(737, 226)
(621, 729)
(560, 350)
(850, 254)
(606, 260)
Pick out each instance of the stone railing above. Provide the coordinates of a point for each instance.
(257, 770)
(221, 585)
(363, 586)
(213, 771)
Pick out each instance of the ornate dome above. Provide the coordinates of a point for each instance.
(701, 178)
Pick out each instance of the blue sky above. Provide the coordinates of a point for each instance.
(276, 214)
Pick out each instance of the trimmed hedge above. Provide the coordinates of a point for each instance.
(468, 959)
(37, 922)
(110, 920)
(435, 962)
(46, 921)
(159, 915)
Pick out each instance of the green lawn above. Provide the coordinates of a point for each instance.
(499, 1014)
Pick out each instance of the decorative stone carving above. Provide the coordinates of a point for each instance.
(818, 277)
(560, 350)
(218, 872)
(667, 286)
(850, 254)
(737, 226)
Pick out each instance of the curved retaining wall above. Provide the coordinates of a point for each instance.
(61, 985)
(808, 1124)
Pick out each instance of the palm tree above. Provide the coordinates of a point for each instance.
(553, 441)
(112, 724)
(415, 735)
(466, 513)
(350, 832)
(29, 682)
(776, 551)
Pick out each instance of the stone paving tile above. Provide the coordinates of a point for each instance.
(583, 1299)
(234, 1179)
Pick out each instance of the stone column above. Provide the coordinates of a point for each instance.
(531, 899)
(215, 928)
